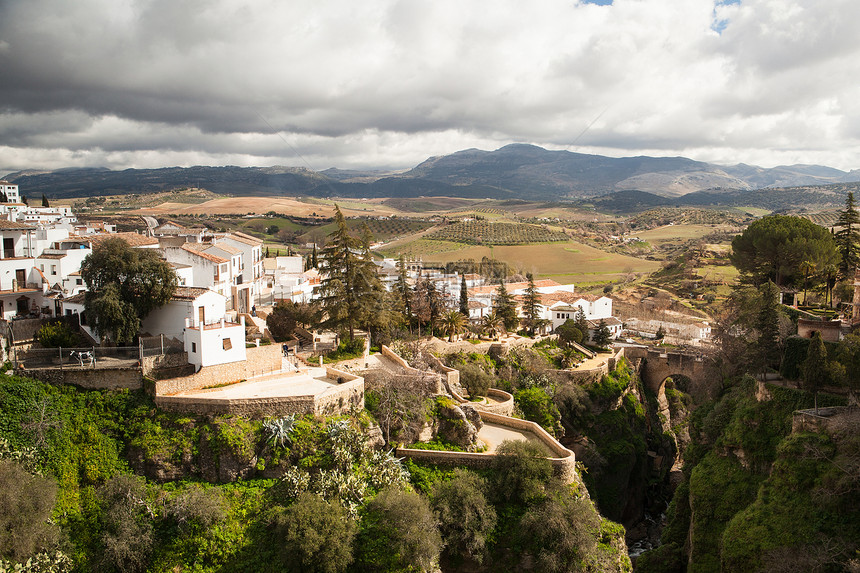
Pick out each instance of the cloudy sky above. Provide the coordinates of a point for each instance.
(387, 83)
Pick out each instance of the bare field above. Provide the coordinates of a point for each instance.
(672, 233)
(260, 205)
(568, 261)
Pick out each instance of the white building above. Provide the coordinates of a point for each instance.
(10, 190)
(594, 307)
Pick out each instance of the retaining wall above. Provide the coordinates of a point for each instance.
(332, 402)
(435, 386)
(89, 378)
(175, 360)
(563, 464)
(839, 420)
(259, 360)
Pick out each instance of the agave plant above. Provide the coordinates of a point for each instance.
(279, 431)
(384, 469)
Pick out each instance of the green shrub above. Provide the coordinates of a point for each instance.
(475, 379)
(537, 406)
(57, 335)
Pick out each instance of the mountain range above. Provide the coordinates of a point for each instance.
(514, 171)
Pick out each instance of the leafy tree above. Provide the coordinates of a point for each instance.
(773, 247)
(531, 306)
(815, 371)
(348, 289)
(569, 333)
(282, 321)
(125, 524)
(602, 336)
(537, 406)
(767, 346)
(45, 201)
(313, 535)
(562, 534)
(848, 237)
(196, 508)
(26, 504)
(427, 304)
(464, 297)
(522, 472)
(466, 518)
(56, 335)
(124, 285)
(398, 532)
(475, 379)
(848, 355)
(3, 198)
(397, 403)
(506, 308)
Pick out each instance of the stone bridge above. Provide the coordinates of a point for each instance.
(661, 364)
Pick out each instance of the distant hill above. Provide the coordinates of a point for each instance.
(515, 171)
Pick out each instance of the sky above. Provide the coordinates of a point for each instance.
(386, 84)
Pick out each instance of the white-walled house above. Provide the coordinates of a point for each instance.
(207, 269)
(594, 307)
(198, 317)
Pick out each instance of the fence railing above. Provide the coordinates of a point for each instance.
(83, 357)
(159, 345)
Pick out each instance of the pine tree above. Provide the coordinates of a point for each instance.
(602, 335)
(531, 306)
(506, 308)
(464, 297)
(348, 291)
(581, 322)
(848, 237)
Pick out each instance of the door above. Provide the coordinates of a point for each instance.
(21, 278)
(8, 248)
(201, 315)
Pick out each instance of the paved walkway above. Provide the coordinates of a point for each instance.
(494, 434)
(307, 383)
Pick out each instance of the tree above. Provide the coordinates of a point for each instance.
(282, 321)
(453, 323)
(815, 371)
(568, 332)
(491, 323)
(848, 355)
(537, 406)
(466, 518)
(848, 237)
(767, 346)
(427, 303)
(313, 535)
(464, 297)
(532, 306)
(561, 534)
(581, 321)
(660, 334)
(45, 201)
(348, 289)
(474, 379)
(125, 524)
(506, 308)
(773, 247)
(398, 532)
(404, 290)
(26, 504)
(124, 285)
(314, 261)
(522, 472)
(602, 335)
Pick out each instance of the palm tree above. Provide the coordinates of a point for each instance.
(452, 322)
(492, 323)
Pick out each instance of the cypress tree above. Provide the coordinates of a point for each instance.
(531, 305)
(766, 348)
(45, 201)
(815, 368)
(464, 297)
(506, 307)
(848, 237)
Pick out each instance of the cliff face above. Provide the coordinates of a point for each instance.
(757, 495)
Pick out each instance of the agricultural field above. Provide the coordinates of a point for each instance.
(381, 229)
(496, 233)
(561, 261)
(825, 218)
(679, 233)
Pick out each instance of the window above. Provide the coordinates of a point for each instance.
(194, 347)
(79, 281)
(53, 269)
(227, 344)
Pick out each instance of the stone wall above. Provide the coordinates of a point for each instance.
(433, 380)
(89, 378)
(260, 360)
(564, 464)
(503, 404)
(332, 402)
(833, 420)
(174, 360)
